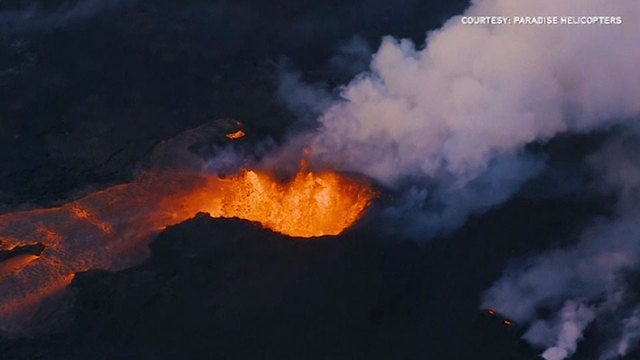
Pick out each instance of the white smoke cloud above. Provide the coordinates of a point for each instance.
(309, 100)
(630, 333)
(446, 126)
(444, 115)
(589, 278)
(306, 101)
(427, 208)
(573, 318)
(477, 91)
(353, 56)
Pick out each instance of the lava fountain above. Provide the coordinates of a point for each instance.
(109, 229)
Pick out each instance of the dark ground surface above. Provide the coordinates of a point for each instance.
(82, 104)
(227, 289)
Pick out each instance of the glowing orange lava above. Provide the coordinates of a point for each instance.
(309, 205)
(236, 135)
(109, 229)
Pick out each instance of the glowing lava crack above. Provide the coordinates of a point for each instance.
(110, 229)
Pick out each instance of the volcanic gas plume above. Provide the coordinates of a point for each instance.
(446, 125)
(109, 229)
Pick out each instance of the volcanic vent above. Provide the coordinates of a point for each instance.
(109, 229)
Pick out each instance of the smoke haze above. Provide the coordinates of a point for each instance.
(588, 281)
(450, 113)
(445, 127)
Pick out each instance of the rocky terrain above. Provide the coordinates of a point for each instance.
(82, 105)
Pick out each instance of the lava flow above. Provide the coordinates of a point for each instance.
(309, 205)
(109, 229)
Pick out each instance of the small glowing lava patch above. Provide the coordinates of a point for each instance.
(236, 135)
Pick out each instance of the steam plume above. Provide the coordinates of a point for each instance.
(437, 120)
(445, 127)
(591, 278)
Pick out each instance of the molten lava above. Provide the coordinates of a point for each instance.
(236, 135)
(309, 205)
(110, 229)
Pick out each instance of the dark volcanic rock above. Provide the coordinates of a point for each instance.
(33, 249)
(228, 289)
(83, 101)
